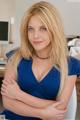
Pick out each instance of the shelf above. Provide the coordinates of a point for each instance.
(2, 70)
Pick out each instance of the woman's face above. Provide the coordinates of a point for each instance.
(37, 34)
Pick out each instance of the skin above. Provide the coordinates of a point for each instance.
(38, 36)
(45, 109)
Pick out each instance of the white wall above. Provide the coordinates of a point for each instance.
(7, 10)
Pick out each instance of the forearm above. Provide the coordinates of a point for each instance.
(21, 108)
(62, 106)
(67, 92)
(33, 101)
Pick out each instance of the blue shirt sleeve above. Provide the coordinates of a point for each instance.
(73, 66)
(11, 53)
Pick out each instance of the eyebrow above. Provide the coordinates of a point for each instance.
(30, 26)
(39, 26)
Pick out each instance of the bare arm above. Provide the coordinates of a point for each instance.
(26, 110)
(65, 96)
(67, 91)
(40, 103)
(21, 108)
(10, 103)
(22, 96)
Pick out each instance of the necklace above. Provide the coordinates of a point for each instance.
(42, 57)
(40, 71)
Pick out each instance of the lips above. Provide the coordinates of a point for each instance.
(37, 42)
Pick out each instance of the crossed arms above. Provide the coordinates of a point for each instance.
(24, 104)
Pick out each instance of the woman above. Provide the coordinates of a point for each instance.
(40, 73)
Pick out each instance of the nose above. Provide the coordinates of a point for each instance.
(36, 34)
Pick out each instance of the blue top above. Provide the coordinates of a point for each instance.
(47, 88)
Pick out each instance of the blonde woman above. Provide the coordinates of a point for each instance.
(40, 76)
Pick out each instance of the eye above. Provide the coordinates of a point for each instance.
(30, 29)
(43, 28)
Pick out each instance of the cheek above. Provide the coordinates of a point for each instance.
(30, 37)
(46, 36)
(48, 42)
(47, 39)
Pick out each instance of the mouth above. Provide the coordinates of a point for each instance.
(37, 42)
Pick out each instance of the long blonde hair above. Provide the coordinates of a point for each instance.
(50, 18)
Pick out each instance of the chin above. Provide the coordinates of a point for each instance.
(38, 48)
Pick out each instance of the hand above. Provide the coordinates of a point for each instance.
(52, 113)
(10, 90)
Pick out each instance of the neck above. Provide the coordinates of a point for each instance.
(43, 58)
(43, 54)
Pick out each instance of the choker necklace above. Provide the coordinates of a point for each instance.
(42, 57)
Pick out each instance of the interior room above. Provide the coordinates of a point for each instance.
(11, 12)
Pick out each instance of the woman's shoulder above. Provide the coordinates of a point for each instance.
(24, 61)
(24, 65)
(73, 66)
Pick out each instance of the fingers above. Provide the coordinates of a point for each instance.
(62, 111)
(3, 86)
(8, 81)
(61, 115)
(5, 83)
(13, 81)
(9, 76)
(3, 89)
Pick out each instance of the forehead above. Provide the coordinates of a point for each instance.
(34, 21)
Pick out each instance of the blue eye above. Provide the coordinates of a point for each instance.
(30, 28)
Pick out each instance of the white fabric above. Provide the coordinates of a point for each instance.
(74, 51)
(72, 107)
